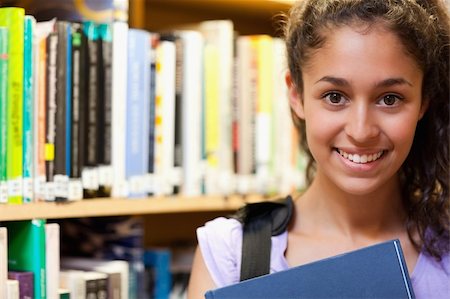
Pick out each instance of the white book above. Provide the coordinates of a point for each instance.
(192, 112)
(52, 249)
(12, 287)
(74, 281)
(119, 96)
(103, 266)
(164, 117)
(3, 261)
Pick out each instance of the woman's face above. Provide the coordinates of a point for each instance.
(361, 102)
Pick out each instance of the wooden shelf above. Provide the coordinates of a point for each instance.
(116, 207)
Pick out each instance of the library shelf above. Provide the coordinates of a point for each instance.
(119, 206)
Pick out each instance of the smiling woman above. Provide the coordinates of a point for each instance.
(368, 84)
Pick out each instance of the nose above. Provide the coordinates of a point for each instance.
(361, 124)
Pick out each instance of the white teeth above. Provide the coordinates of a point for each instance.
(361, 159)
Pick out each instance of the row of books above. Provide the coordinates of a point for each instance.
(31, 267)
(89, 110)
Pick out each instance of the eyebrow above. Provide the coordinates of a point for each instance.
(384, 83)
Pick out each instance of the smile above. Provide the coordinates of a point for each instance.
(360, 159)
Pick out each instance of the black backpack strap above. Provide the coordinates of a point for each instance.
(261, 221)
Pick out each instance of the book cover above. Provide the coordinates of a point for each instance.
(28, 100)
(4, 61)
(13, 18)
(3, 260)
(26, 283)
(26, 251)
(377, 271)
(52, 249)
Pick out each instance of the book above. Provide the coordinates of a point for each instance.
(13, 18)
(138, 111)
(157, 263)
(377, 271)
(28, 101)
(118, 121)
(116, 270)
(52, 239)
(63, 293)
(3, 260)
(12, 287)
(26, 251)
(26, 283)
(4, 61)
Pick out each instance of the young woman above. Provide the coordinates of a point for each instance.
(369, 90)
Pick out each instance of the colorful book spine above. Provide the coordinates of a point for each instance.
(28, 99)
(26, 251)
(157, 262)
(13, 18)
(4, 61)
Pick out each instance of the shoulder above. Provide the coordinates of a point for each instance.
(220, 242)
(430, 277)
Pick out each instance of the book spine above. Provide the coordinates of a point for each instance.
(50, 123)
(90, 172)
(52, 249)
(157, 261)
(4, 61)
(13, 18)
(178, 126)
(3, 260)
(60, 174)
(138, 110)
(77, 112)
(154, 39)
(105, 169)
(26, 284)
(119, 93)
(12, 287)
(28, 100)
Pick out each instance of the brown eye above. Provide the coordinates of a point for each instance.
(334, 98)
(390, 99)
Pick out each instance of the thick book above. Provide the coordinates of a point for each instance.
(4, 61)
(26, 251)
(13, 18)
(377, 271)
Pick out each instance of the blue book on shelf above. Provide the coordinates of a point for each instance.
(377, 271)
(138, 110)
(157, 264)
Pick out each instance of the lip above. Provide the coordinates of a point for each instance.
(360, 167)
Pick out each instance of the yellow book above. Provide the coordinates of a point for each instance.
(13, 19)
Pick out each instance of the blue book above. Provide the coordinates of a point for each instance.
(157, 262)
(138, 111)
(377, 271)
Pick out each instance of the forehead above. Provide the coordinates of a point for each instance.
(355, 49)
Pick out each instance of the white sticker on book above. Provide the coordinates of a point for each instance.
(61, 185)
(15, 187)
(3, 192)
(27, 189)
(90, 178)
(75, 189)
(105, 175)
(49, 192)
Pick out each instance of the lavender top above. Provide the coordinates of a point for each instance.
(220, 242)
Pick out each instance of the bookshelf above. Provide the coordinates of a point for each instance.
(117, 206)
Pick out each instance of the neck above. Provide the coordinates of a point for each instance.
(375, 215)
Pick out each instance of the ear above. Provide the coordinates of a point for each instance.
(295, 100)
(424, 107)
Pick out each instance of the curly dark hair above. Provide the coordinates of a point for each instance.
(423, 28)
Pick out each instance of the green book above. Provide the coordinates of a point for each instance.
(28, 99)
(26, 251)
(64, 294)
(13, 19)
(4, 61)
